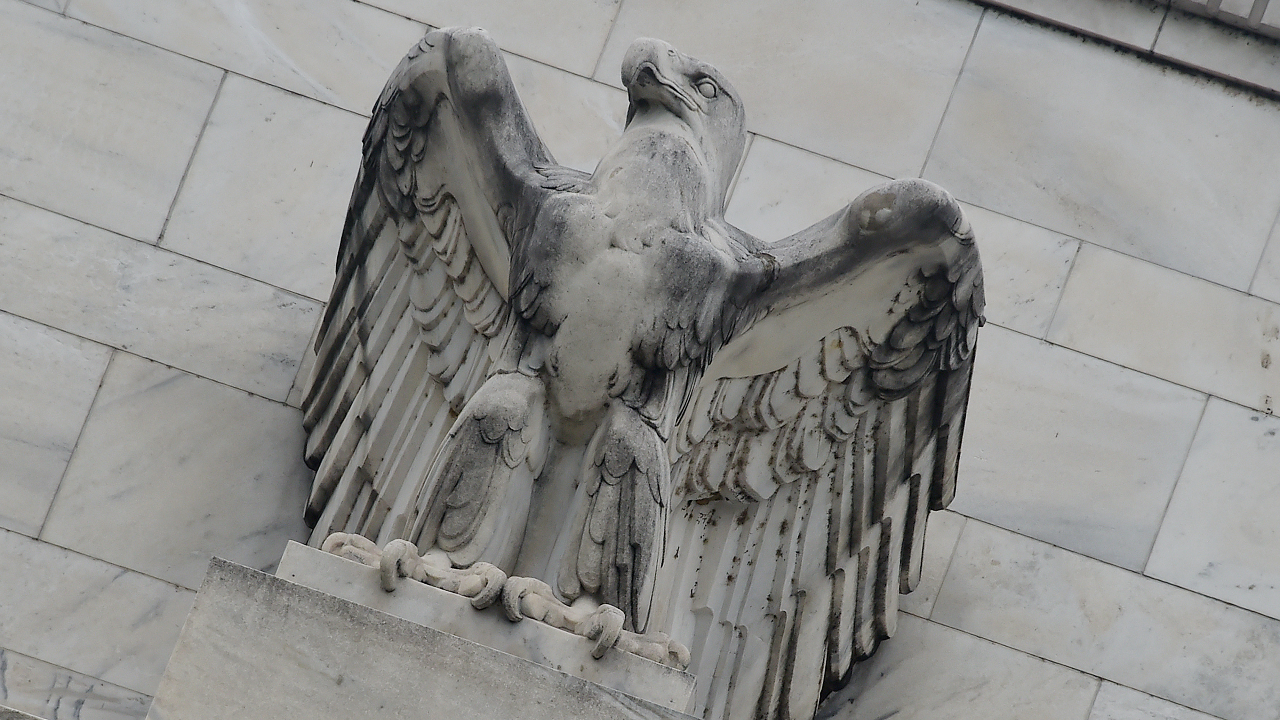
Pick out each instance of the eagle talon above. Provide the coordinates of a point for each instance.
(605, 627)
(399, 559)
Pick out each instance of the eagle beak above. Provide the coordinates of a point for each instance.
(648, 74)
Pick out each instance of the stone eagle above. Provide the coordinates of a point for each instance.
(591, 393)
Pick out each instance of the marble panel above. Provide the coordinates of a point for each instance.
(150, 301)
(47, 382)
(1112, 623)
(94, 125)
(1172, 326)
(1266, 282)
(191, 467)
(337, 51)
(268, 187)
(1117, 702)
(1220, 536)
(259, 648)
(941, 534)
(863, 81)
(1271, 16)
(54, 5)
(86, 615)
(1033, 134)
(568, 34)
(1070, 449)
(577, 118)
(452, 613)
(783, 189)
(55, 693)
(1239, 8)
(931, 672)
(1208, 45)
(1128, 22)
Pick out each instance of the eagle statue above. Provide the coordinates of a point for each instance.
(592, 399)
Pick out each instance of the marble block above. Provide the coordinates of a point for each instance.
(1117, 702)
(1072, 450)
(95, 125)
(1115, 624)
(150, 301)
(1220, 536)
(1130, 22)
(1206, 44)
(451, 613)
(1173, 326)
(47, 382)
(86, 615)
(1032, 133)
(268, 187)
(941, 534)
(336, 51)
(191, 467)
(931, 672)
(568, 34)
(55, 693)
(257, 647)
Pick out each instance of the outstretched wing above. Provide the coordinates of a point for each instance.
(419, 314)
(809, 479)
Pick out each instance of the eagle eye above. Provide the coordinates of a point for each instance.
(707, 88)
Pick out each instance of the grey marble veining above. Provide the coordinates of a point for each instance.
(268, 187)
(1070, 449)
(55, 693)
(1173, 326)
(1103, 620)
(150, 301)
(931, 672)
(85, 615)
(1220, 536)
(95, 125)
(568, 34)
(1032, 133)
(337, 51)
(47, 381)
(192, 469)
(1117, 702)
(834, 78)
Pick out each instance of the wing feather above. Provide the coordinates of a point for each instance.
(419, 315)
(809, 487)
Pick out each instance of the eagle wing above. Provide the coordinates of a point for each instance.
(811, 454)
(419, 313)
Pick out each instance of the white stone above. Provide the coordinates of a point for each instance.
(150, 301)
(1109, 622)
(1072, 450)
(576, 117)
(941, 535)
(1033, 133)
(336, 51)
(259, 648)
(1220, 536)
(55, 693)
(94, 125)
(1266, 283)
(567, 34)
(1206, 44)
(47, 381)
(267, 190)
(931, 672)
(833, 79)
(54, 5)
(452, 613)
(191, 468)
(1129, 22)
(1117, 702)
(1173, 326)
(87, 616)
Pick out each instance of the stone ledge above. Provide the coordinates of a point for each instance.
(257, 647)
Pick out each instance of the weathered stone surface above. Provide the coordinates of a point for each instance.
(257, 647)
(553, 383)
(452, 613)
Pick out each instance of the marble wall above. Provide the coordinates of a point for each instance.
(173, 175)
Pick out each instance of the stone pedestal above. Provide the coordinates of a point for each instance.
(322, 640)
